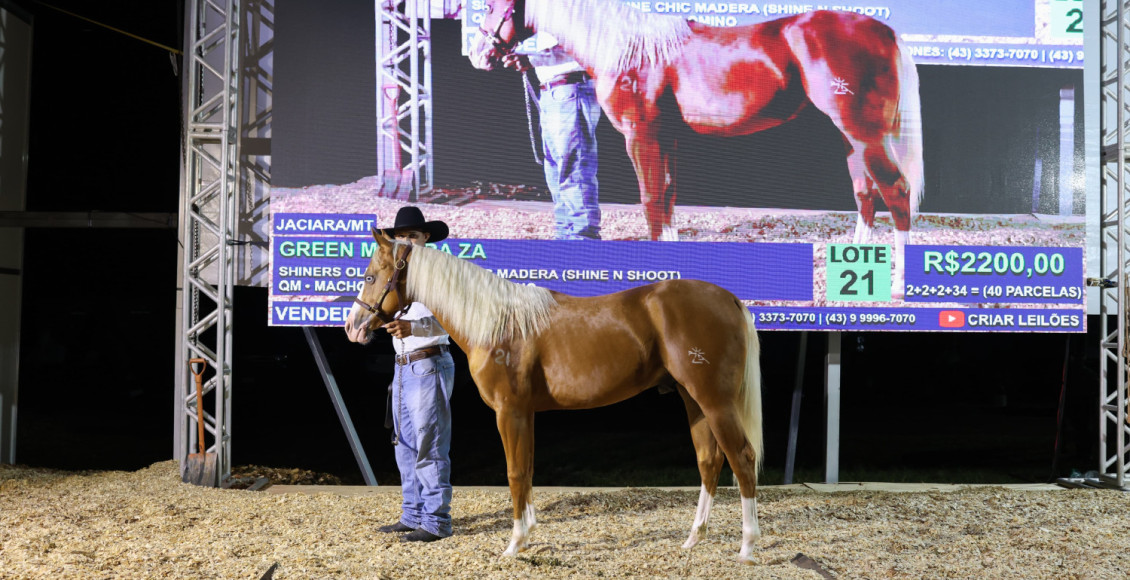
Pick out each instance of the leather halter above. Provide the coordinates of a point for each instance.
(496, 40)
(398, 267)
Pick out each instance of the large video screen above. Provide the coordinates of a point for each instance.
(903, 166)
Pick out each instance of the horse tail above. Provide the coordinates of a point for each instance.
(908, 147)
(750, 391)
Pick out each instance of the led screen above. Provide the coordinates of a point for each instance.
(905, 166)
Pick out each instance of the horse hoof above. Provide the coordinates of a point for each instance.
(513, 550)
(745, 555)
(690, 543)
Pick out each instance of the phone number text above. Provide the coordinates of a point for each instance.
(798, 318)
(873, 318)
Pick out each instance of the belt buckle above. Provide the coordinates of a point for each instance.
(565, 79)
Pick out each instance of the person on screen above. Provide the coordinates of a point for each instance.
(568, 113)
(423, 377)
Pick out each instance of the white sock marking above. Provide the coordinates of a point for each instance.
(522, 528)
(750, 530)
(862, 231)
(701, 517)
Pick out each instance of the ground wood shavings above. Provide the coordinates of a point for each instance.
(147, 524)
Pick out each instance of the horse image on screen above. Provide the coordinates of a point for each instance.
(530, 349)
(655, 70)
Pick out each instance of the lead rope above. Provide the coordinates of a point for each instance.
(398, 370)
(396, 402)
(535, 132)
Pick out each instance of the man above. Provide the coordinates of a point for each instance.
(421, 396)
(568, 113)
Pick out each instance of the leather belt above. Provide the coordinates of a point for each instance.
(410, 357)
(572, 78)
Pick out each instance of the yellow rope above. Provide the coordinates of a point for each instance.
(118, 30)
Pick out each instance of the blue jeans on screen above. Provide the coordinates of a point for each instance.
(569, 114)
(422, 409)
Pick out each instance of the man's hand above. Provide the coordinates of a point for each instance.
(399, 328)
(518, 62)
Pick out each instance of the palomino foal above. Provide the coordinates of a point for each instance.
(530, 349)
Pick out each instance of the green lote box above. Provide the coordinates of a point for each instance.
(858, 273)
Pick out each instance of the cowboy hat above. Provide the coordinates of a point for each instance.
(410, 217)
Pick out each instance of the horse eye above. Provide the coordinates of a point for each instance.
(490, 8)
(369, 279)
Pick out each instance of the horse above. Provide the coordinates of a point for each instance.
(654, 71)
(530, 349)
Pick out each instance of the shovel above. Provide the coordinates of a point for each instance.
(201, 467)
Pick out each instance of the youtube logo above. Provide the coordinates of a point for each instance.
(951, 319)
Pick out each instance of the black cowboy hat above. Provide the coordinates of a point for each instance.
(410, 217)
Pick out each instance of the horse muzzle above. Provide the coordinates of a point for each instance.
(358, 330)
(489, 50)
(357, 324)
(484, 55)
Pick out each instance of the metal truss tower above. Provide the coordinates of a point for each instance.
(226, 174)
(404, 98)
(256, 105)
(1114, 247)
(208, 216)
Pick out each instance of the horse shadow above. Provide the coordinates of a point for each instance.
(484, 523)
(583, 505)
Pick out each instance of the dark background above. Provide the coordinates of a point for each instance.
(99, 345)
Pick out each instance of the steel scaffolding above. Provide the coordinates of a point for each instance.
(404, 98)
(1114, 253)
(209, 208)
(256, 105)
(226, 175)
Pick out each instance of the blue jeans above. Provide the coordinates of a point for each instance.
(421, 395)
(569, 114)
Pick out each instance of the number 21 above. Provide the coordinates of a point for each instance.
(847, 289)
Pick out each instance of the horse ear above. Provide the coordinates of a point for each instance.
(379, 236)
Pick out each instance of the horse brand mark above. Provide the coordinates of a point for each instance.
(840, 87)
(502, 357)
(697, 357)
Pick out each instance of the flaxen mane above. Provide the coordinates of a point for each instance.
(609, 35)
(474, 302)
